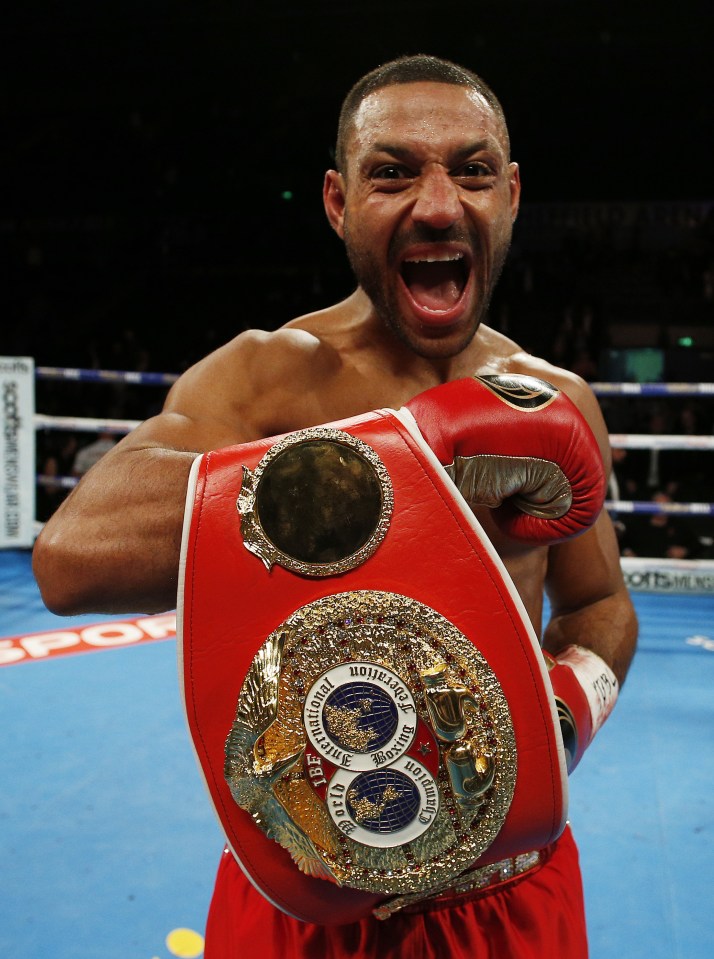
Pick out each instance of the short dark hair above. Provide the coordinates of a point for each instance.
(419, 68)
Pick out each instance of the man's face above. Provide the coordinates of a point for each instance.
(426, 208)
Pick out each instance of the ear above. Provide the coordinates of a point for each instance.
(333, 197)
(514, 182)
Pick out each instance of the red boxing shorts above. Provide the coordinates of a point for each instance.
(540, 916)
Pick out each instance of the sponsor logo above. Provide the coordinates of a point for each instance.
(11, 426)
(521, 392)
(85, 639)
(663, 581)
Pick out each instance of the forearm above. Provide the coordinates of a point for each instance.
(607, 626)
(114, 544)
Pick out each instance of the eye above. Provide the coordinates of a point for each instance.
(391, 171)
(474, 169)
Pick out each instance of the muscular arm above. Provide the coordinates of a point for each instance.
(590, 604)
(113, 545)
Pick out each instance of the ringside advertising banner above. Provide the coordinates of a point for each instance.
(683, 577)
(86, 639)
(17, 449)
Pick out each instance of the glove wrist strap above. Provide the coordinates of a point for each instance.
(586, 691)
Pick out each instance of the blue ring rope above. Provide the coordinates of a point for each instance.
(167, 379)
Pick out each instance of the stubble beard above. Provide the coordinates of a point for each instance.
(383, 296)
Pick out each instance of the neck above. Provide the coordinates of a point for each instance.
(403, 358)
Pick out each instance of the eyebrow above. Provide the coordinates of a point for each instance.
(406, 153)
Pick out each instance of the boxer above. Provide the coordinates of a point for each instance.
(424, 197)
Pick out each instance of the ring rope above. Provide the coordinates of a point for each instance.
(630, 441)
(652, 389)
(167, 379)
(104, 376)
(641, 574)
(84, 424)
(625, 441)
(56, 482)
(650, 506)
(617, 506)
(662, 441)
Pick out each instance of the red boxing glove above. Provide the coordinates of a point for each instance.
(585, 690)
(519, 445)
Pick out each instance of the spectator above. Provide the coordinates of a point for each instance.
(87, 456)
(659, 534)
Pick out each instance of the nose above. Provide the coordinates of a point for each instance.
(438, 204)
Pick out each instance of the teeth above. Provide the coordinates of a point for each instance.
(435, 258)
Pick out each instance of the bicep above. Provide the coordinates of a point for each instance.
(113, 545)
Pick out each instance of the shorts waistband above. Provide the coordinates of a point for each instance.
(473, 884)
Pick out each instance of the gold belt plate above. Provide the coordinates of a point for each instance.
(373, 741)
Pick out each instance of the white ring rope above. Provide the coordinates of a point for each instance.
(651, 441)
(104, 376)
(654, 506)
(84, 424)
(624, 441)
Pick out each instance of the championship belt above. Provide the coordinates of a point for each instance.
(365, 694)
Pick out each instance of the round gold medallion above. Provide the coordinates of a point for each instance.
(318, 503)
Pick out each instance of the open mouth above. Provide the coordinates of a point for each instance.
(436, 282)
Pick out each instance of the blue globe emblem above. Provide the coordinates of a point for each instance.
(383, 801)
(360, 717)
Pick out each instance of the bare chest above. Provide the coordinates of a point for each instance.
(319, 398)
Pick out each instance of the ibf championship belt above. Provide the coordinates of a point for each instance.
(365, 694)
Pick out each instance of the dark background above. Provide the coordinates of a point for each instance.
(148, 148)
(162, 165)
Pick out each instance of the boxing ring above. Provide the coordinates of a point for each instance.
(110, 846)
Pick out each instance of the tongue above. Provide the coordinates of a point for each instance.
(434, 286)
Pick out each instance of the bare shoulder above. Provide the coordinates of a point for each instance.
(570, 383)
(503, 355)
(248, 380)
